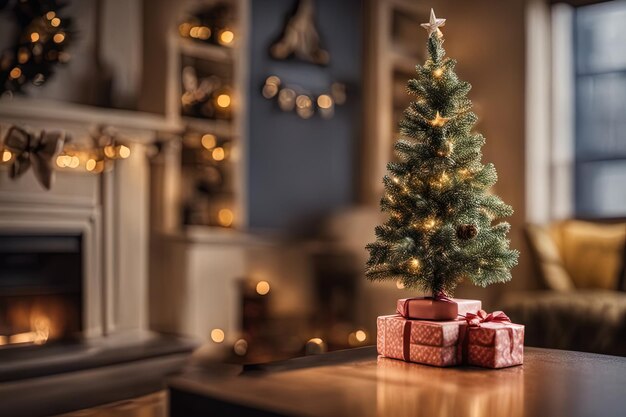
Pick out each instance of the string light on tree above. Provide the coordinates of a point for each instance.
(439, 233)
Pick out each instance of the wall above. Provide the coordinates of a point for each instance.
(487, 38)
(300, 169)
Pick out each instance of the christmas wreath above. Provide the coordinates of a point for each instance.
(41, 37)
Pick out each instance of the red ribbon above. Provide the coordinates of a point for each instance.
(475, 320)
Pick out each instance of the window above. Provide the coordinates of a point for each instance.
(600, 111)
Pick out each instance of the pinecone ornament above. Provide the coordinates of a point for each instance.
(466, 231)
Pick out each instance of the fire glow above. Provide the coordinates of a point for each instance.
(35, 320)
(38, 335)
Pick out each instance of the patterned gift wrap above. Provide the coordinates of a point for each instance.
(495, 345)
(427, 342)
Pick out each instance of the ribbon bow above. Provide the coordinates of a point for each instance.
(475, 320)
(36, 150)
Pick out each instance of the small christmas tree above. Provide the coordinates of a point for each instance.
(440, 227)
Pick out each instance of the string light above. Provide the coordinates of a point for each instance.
(223, 100)
(6, 155)
(361, 336)
(225, 218)
(430, 223)
(262, 287)
(61, 161)
(357, 337)
(218, 154)
(90, 165)
(324, 101)
(399, 284)
(414, 264)
(270, 90)
(240, 347)
(124, 151)
(109, 151)
(315, 346)
(217, 335)
(22, 56)
(55, 22)
(50, 15)
(443, 180)
(204, 33)
(208, 141)
(15, 73)
(438, 72)
(74, 162)
(286, 99)
(226, 37)
(58, 38)
(34, 37)
(448, 150)
(184, 29)
(304, 106)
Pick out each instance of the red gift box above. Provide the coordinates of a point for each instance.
(428, 342)
(481, 339)
(495, 345)
(437, 308)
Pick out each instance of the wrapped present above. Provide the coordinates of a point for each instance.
(493, 341)
(428, 342)
(436, 308)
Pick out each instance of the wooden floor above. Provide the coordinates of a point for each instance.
(153, 405)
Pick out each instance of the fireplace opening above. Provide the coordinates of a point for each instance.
(40, 288)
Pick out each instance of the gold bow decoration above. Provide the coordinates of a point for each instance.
(37, 150)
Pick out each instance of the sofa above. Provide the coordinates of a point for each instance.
(583, 303)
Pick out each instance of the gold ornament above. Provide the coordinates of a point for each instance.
(439, 120)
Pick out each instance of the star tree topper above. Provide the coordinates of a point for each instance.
(434, 24)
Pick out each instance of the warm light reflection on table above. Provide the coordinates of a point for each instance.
(402, 388)
(358, 383)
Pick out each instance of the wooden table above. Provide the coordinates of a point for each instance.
(358, 383)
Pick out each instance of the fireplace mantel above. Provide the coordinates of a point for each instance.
(134, 126)
(110, 211)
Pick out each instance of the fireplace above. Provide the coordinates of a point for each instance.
(40, 288)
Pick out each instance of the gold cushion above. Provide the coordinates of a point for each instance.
(592, 253)
(554, 274)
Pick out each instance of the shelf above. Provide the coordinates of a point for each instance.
(204, 50)
(219, 128)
